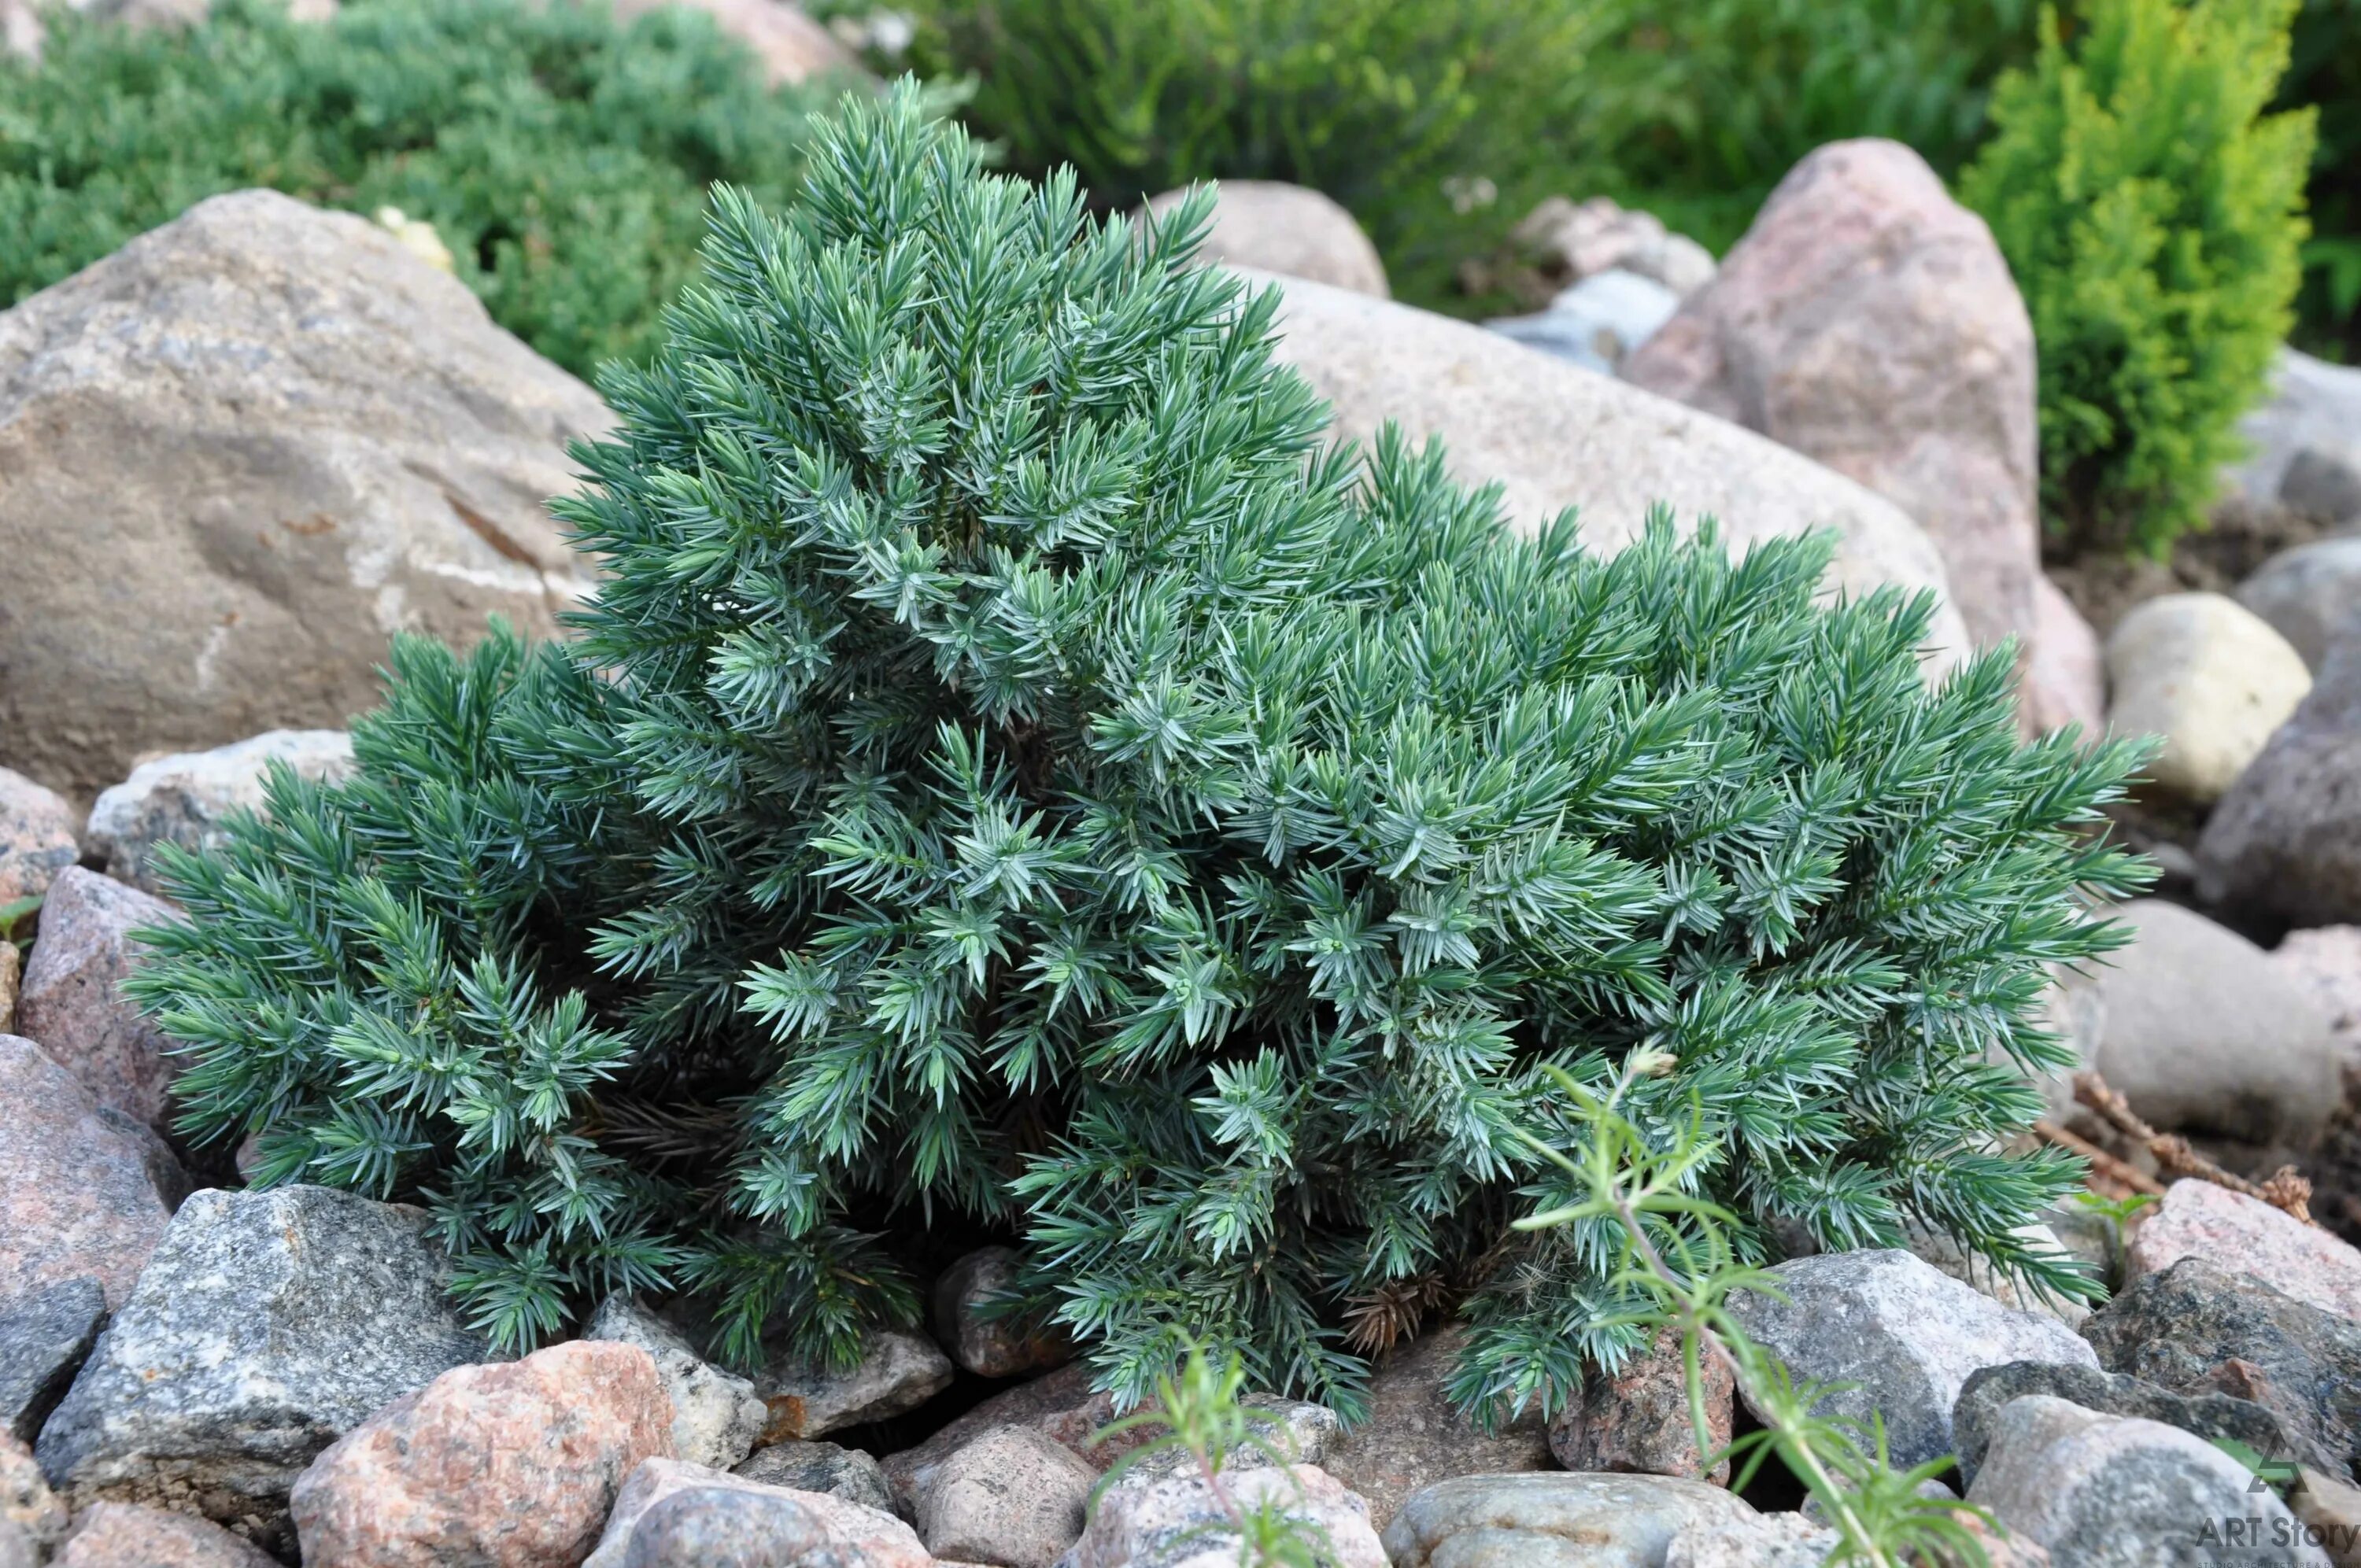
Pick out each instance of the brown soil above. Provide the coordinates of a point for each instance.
(2105, 586)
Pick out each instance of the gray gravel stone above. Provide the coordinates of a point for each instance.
(2308, 594)
(2184, 1328)
(822, 1467)
(45, 1333)
(186, 799)
(725, 1527)
(1012, 1497)
(1904, 1335)
(2283, 847)
(898, 1371)
(716, 1416)
(1581, 1521)
(2206, 1415)
(2104, 1491)
(266, 1326)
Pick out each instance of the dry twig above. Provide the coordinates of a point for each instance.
(2284, 1190)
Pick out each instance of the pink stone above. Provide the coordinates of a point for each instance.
(123, 1535)
(70, 1003)
(2246, 1235)
(2065, 679)
(80, 1189)
(36, 837)
(504, 1466)
(1637, 1418)
(1870, 322)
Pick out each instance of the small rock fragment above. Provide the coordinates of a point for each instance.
(1637, 1418)
(716, 1416)
(1009, 1496)
(27, 1504)
(823, 1467)
(2212, 678)
(45, 1334)
(37, 838)
(1175, 1521)
(1279, 227)
(987, 1343)
(2330, 1511)
(124, 1535)
(862, 1537)
(2199, 1219)
(1514, 1521)
(898, 1371)
(188, 797)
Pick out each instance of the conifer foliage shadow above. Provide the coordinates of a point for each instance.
(1013, 776)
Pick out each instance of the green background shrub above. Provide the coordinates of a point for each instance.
(561, 158)
(1012, 781)
(2152, 214)
(1695, 111)
(1377, 103)
(2324, 71)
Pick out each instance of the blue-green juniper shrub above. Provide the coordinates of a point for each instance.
(1014, 777)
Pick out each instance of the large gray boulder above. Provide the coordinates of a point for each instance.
(1870, 322)
(266, 1326)
(235, 456)
(1900, 1338)
(2201, 1030)
(2283, 847)
(1554, 436)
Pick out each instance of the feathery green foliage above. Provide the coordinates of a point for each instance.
(1697, 110)
(1411, 113)
(561, 156)
(1013, 777)
(2152, 214)
(1671, 1250)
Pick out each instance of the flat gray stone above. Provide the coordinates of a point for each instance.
(266, 1326)
(1560, 1519)
(1905, 1336)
